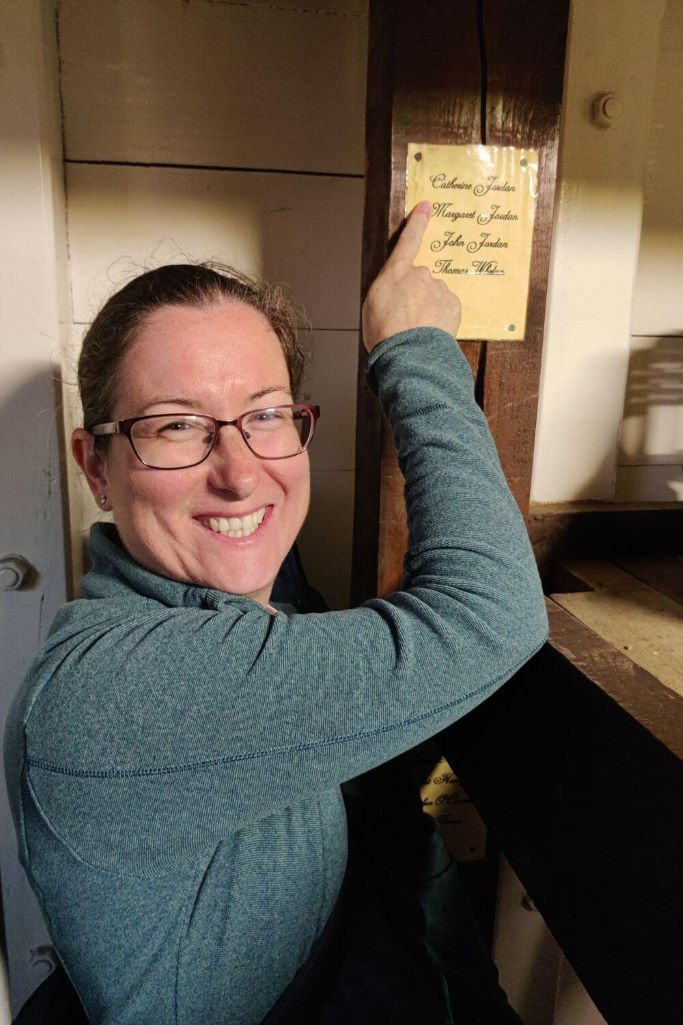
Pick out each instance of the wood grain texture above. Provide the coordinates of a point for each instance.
(525, 45)
(374, 250)
(590, 816)
(602, 530)
(425, 85)
(664, 572)
(436, 98)
(638, 692)
(213, 84)
(344, 8)
(634, 617)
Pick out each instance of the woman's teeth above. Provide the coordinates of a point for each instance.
(236, 526)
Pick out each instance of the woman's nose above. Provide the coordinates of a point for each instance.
(233, 467)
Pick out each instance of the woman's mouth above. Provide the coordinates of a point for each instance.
(235, 526)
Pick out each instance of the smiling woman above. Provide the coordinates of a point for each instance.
(176, 752)
(227, 357)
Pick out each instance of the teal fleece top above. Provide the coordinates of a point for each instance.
(175, 754)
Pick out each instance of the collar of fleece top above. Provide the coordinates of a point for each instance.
(114, 573)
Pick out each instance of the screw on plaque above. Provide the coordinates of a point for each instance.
(511, 327)
(523, 162)
(418, 156)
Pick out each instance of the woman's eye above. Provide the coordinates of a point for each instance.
(176, 426)
(181, 430)
(266, 420)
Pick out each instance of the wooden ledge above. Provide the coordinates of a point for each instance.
(603, 530)
(576, 767)
(627, 638)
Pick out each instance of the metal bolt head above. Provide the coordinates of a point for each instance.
(14, 572)
(606, 110)
(42, 960)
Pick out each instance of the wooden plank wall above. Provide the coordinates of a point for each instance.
(231, 131)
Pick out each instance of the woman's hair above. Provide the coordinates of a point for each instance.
(118, 323)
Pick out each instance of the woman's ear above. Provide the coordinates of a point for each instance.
(93, 464)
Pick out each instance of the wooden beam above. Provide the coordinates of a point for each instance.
(603, 530)
(525, 46)
(434, 68)
(423, 83)
(633, 616)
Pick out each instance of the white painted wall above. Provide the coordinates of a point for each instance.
(233, 131)
(33, 316)
(613, 46)
(539, 981)
(5, 1011)
(215, 84)
(651, 440)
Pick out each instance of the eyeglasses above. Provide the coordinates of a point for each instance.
(174, 441)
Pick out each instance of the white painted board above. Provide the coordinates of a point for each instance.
(302, 230)
(524, 950)
(214, 84)
(330, 380)
(32, 312)
(657, 295)
(612, 45)
(539, 982)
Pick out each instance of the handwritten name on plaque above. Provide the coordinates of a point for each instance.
(479, 237)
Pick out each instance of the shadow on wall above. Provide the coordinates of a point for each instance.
(651, 440)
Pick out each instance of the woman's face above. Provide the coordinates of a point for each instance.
(221, 361)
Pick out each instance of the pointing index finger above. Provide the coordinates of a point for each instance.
(410, 239)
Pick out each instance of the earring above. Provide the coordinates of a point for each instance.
(103, 500)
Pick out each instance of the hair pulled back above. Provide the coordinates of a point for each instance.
(118, 324)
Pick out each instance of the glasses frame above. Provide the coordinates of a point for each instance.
(125, 428)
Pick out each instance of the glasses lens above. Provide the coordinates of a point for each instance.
(172, 442)
(279, 431)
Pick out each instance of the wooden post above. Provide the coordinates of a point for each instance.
(486, 71)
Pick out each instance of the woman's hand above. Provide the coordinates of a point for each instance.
(403, 296)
